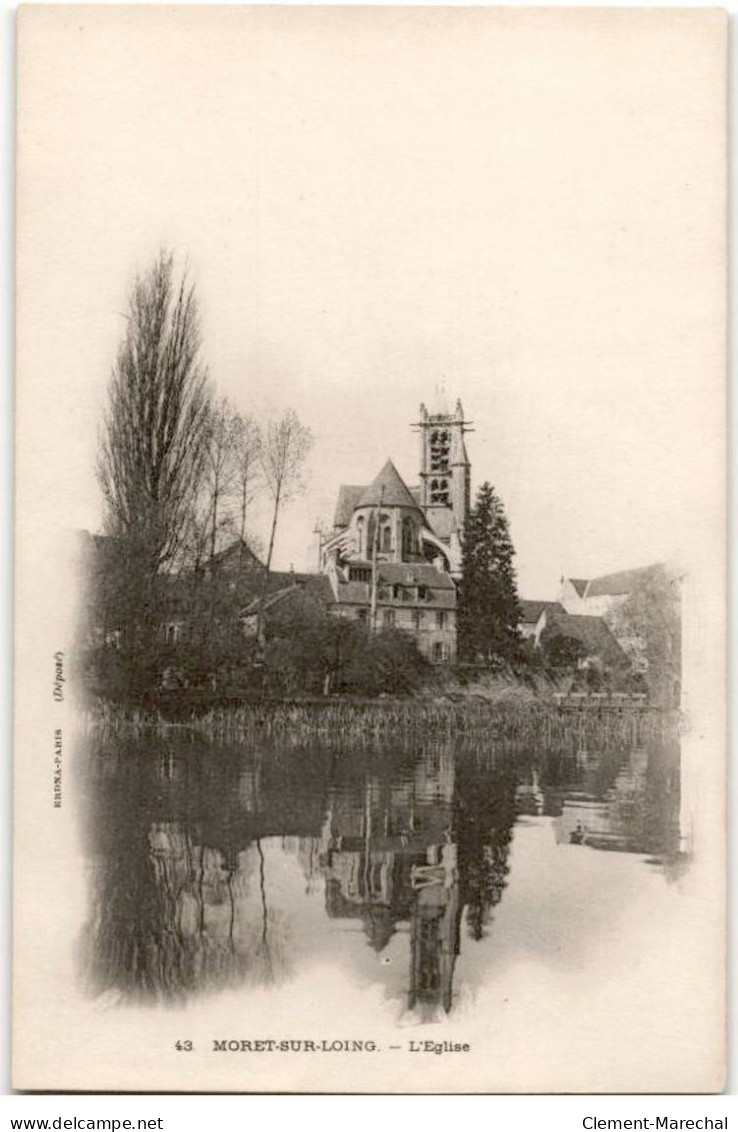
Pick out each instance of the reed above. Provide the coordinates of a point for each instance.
(338, 723)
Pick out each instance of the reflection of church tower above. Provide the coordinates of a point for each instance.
(444, 465)
(434, 945)
(434, 929)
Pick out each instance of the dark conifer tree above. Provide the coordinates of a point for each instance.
(488, 613)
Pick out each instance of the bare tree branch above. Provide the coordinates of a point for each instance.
(283, 453)
(219, 465)
(247, 443)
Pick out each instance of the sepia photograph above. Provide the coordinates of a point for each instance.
(370, 687)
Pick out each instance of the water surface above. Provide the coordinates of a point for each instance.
(424, 866)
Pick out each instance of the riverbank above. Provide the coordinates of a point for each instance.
(508, 718)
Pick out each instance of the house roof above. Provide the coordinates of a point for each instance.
(592, 632)
(441, 592)
(236, 548)
(622, 582)
(359, 593)
(317, 587)
(531, 610)
(440, 589)
(390, 486)
(353, 593)
(279, 579)
(97, 542)
(613, 585)
(270, 601)
(415, 573)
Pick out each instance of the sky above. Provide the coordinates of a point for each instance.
(527, 206)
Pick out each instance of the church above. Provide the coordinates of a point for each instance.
(393, 556)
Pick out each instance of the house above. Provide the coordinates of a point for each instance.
(417, 597)
(306, 596)
(242, 570)
(542, 621)
(598, 597)
(534, 617)
(599, 647)
(641, 607)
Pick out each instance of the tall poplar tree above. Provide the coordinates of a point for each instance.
(488, 611)
(155, 431)
(151, 459)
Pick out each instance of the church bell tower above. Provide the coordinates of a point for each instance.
(445, 471)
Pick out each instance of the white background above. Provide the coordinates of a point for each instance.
(192, 1112)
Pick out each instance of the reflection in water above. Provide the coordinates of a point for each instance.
(626, 804)
(193, 851)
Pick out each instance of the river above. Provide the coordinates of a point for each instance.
(428, 871)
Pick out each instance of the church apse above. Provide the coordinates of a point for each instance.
(394, 556)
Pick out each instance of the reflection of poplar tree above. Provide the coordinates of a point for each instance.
(135, 942)
(153, 879)
(134, 939)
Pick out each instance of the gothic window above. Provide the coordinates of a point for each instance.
(361, 535)
(441, 619)
(417, 618)
(440, 444)
(385, 539)
(439, 492)
(407, 538)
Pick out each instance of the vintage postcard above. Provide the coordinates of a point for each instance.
(370, 547)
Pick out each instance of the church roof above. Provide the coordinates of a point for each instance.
(393, 490)
(348, 498)
(441, 521)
